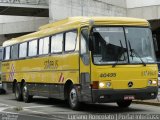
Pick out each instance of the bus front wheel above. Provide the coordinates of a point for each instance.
(18, 92)
(25, 93)
(73, 99)
(124, 104)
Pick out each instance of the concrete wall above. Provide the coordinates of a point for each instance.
(33, 2)
(149, 12)
(141, 3)
(147, 9)
(2, 39)
(20, 24)
(120, 3)
(60, 9)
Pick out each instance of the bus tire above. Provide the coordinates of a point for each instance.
(18, 92)
(25, 93)
(73, 99)
(124, 104)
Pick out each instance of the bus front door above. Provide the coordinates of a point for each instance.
(85, 67)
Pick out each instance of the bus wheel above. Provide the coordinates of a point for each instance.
(25, 93)
(124, 104)
(73, 99)
(18, 93)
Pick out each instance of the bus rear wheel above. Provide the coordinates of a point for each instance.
(73, 99)
(25, 93)
(18, 92)
(124, 104)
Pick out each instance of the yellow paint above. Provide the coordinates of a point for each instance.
(69, 65)
(34, 70)
(125, 74)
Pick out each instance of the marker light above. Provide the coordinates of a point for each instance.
(108, 84)
(101, 85)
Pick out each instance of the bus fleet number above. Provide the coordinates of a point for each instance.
(108, 75)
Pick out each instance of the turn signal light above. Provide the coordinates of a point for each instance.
(95, 84)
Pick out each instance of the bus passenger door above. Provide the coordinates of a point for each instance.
(85, 67)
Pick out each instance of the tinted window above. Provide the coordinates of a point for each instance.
(44, 45)
(7, 53)
(57, 43)
(23, 50)
(14, 52)
(32, 48)
(70, 40)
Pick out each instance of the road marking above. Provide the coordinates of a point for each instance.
(3, 105)
(36, 106)
(41, 117)
(35, 111)
(6, 105)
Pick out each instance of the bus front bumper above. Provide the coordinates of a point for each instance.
(110, 95)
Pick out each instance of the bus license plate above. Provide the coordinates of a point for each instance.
(129, 97)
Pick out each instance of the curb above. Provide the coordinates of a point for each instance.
(147, 102)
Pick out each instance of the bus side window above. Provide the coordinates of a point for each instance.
(14, 52)
(44, 46)
(32, 48)
(84, 46)
(70, 40)
(57, 43)
(7, 53)
(1, 53)
(84, 41)
(23, 50)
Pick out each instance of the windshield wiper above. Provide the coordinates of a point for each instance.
(132, 51)
(119, 55)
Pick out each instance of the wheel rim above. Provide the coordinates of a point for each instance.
(17, 93)
(73, 97)
(25, 92)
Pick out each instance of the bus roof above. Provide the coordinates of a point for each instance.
(74, 22)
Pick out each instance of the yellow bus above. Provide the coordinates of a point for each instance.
(83, 59)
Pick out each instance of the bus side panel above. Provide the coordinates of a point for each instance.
(45, 76)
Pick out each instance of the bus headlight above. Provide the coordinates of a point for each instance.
(108, 84)
(149, 82)
(101, 84)
(154, 82)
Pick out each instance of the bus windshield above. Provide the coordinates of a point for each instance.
(122, 45)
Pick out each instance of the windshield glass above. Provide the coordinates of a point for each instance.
(141, 45)
(109, 45)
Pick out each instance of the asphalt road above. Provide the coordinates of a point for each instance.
(51, 109)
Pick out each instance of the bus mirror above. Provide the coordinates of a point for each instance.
(155, 42)
(91, 23)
